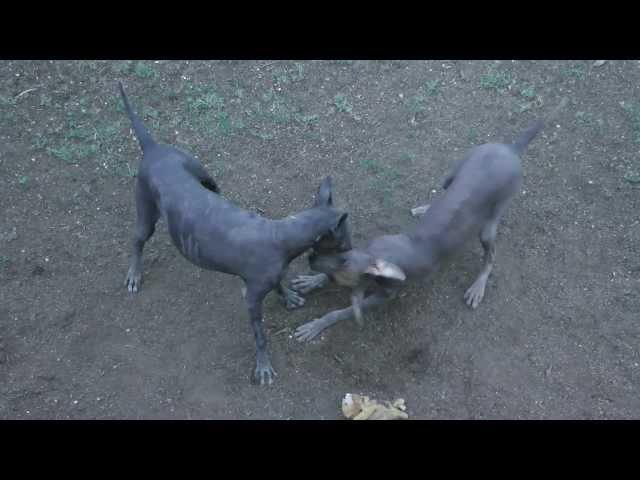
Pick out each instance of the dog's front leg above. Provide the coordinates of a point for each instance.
(307, 283)
(254, 297)
(311, 329)
(290, 297)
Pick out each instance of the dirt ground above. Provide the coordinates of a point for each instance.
(555, 338)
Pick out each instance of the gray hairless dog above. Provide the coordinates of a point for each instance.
(476, 194)
(216, 235)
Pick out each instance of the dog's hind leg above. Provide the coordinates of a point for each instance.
(147, 215)
(255, 294)
(475, 293)
(197, 170)
(453, 171)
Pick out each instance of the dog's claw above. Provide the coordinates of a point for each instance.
(264, 372)
(475, 293)
(306, 283)
(291, 299)
(133, 280)
(309, 330)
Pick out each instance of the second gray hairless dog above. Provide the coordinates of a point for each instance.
(477, 192)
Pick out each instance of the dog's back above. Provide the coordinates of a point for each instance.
(489, 176)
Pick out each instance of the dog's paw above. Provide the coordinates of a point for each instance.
(309, 331)
(264, 372)
(292, 300)
(133, 280)
(307, 283)
(475, 293)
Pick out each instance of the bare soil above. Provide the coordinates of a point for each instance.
(556, 336)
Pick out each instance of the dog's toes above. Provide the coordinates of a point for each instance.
(267, 376)
(474, 295)
(133, 280)
(291, 299)
(132, 285)
(264, 372)
(297, 285)
(295, 301)
(303, 283)
(308, 331)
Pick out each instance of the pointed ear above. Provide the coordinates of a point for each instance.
(340, 221)
(324, 193)
(382, 268)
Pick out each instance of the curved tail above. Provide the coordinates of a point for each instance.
(142, 134)
(525, 137)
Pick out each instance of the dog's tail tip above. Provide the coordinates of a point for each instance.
(525, 138)
(142, 134)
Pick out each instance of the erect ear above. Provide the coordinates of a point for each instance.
(340, 221)
(382, 268)
(324, 193)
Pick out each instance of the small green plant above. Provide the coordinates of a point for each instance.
(73, 153)
(208, 100)
(528, 93)
(633, 112)
(150, 112)
(223, 122)
(40, 142)
(298, 74)
(417, 103)
(268, 95)
(122, 67)
(4, 260)
(408, 157)
(23, 181)
(263, 135)
(79, 132)
(632, 178)
(45, 100)
(585, 118)
(281, 111)
(495, 80)
(306, 119)
(92, 64)
(473, 135)
(284, 75)
(432, 87)
(371, 165)
(143, 70)
(574, 72)
(280, 76)
(237, 124)
(8, 101)
(342, 104)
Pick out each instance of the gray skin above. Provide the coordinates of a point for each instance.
(476, 194)
(214, 234)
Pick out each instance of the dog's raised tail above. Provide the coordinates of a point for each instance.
(525, 137)
(142, 134)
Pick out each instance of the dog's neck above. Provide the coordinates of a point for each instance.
(299, 232)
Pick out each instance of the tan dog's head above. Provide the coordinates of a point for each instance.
(355, 269)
